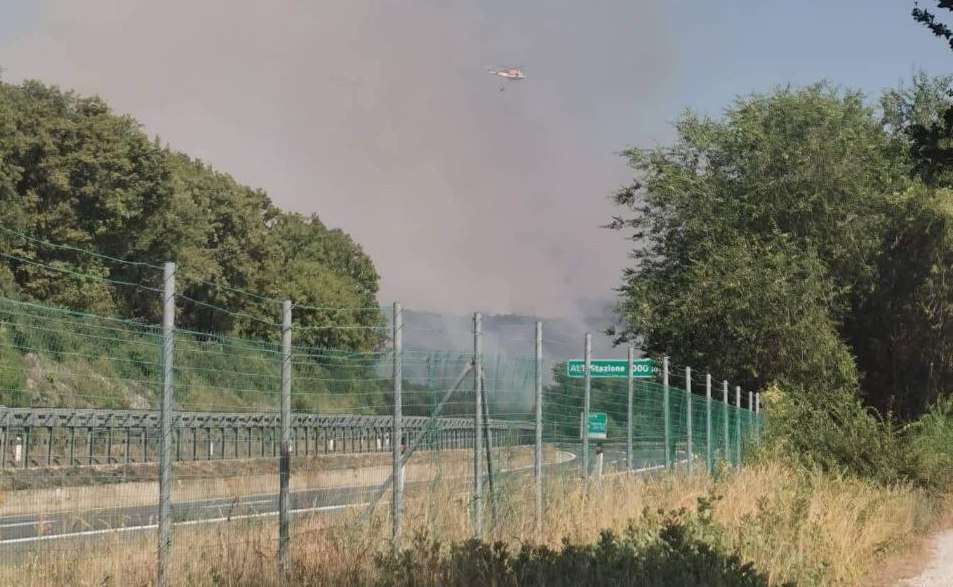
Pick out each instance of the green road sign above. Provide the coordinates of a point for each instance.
(642, 368)
(598, 422)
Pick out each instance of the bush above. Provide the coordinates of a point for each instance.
(835, 432)
(680, 552)
(929, 441)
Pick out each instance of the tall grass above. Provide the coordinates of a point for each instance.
(791, 524)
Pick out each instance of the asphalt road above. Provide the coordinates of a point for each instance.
(24, 532)
(27, 528)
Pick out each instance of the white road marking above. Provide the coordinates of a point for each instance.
(14, 525)
(154, 526)
(235, 503)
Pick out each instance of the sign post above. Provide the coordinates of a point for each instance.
(587, 371)
(612, 368)
(598, 424)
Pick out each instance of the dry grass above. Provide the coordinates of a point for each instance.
(821, 529)
(794, 525)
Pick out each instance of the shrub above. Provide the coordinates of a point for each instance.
(929, 442)
(835, 432)
(680, 551)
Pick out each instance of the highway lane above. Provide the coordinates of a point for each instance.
(22, 532)
(43, 527)
(25, 529)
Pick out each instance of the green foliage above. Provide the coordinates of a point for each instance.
(835, 432)
(900, 333)
(919, 120)
(801, 240)
(922, 103)
(74, 173)
(760, 232)
(682, 551)
(754, 311)
(929, 441)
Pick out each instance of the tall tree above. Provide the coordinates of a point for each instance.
(757, 236)
(76, 174)
(327, 270)
(901, 333)
(81, 176)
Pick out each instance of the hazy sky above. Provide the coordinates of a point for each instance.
(381, 117)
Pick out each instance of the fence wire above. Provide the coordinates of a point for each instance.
(80, 441)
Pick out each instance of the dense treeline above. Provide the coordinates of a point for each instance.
(805, 238)
(74, 173)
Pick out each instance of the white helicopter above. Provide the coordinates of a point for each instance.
(510, 73)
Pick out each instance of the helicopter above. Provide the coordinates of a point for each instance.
(510, 73)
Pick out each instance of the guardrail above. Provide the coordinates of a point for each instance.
(47, 437)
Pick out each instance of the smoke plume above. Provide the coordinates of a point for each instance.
(382, 118)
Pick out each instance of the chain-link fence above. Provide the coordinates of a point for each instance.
(140, 450)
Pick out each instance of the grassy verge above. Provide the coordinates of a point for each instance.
(791, 525)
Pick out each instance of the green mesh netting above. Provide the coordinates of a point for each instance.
(57, 358)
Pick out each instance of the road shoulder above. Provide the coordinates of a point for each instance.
(938, 568)
(926, 562)
(902, 565)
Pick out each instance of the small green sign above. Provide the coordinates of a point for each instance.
(641, 368)
(598, 423)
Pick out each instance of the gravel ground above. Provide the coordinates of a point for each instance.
(939, 573)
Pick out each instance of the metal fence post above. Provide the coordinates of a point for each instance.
(628, 417)
(688, 417)
(284, 462)
(665, 415)
(585, 407)
(488, 443)
(397, 428)
(539, 430)
(477, 426)
(165, 425)
(738, 425)
(757, 415)
(749, 416)
(709, 449)
(724, 407)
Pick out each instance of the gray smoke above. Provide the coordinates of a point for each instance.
(382, 118)
(512, 335)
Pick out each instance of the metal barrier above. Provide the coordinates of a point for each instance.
(45, 437)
